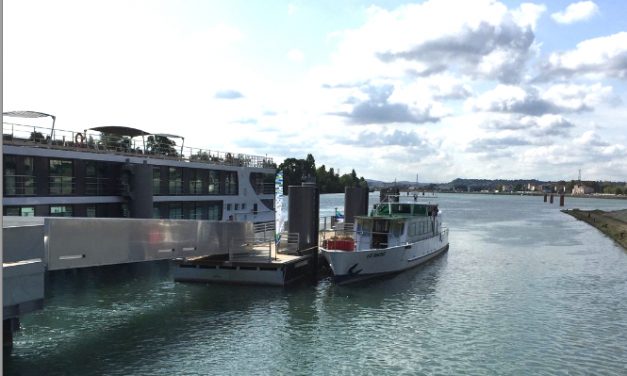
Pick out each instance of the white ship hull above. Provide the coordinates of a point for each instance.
(351, 266)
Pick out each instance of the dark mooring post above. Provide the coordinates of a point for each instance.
(304, 219)
(355, 203)
(545, 197)
(561, 200)
(551, 200)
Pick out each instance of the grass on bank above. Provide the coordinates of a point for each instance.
(612, 223)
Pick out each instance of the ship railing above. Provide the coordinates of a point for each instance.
(19, 185)
(93, 141)
(331, 222)
(289, 243)
(264, 231)
(251, 249)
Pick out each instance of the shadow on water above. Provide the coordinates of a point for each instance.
(116, 317)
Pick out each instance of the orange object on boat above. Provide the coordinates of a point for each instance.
(341, 244)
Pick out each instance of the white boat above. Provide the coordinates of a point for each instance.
(395, 236)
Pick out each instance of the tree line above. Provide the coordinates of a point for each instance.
(295, 171)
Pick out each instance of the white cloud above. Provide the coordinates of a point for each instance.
(291, 9)
(481, 39)
(531, 100)
(603, 56)
(295, 55)
(576, 12)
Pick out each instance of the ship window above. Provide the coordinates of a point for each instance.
(156, 181)
(156, 212)
(236, 206)
(61, 177)
(90, 211)
(21, 211)
(213, 183)
(228, 207)
(18, 176)
(10, 176)
(95, 178)
(255, 208)
(60, 210)
(214, 212)
(244, 206)
(195, 182)
(175, 181)
(176, 211)
(230, 183)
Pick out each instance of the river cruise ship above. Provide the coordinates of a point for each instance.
(121, 172)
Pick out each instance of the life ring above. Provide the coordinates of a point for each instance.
(79, 138)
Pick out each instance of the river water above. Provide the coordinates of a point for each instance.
(523, 289)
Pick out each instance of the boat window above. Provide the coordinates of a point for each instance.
(381, 226)
(397, 229)
(404, 209)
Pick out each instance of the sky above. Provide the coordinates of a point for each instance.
(393, 89)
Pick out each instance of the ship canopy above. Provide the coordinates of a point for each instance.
(26, 114)
(121, 131)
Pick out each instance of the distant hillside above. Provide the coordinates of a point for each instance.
(474, 185)
(376, 184)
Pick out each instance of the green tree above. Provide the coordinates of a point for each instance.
(161, 145)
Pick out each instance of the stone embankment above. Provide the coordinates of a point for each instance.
(612, 223)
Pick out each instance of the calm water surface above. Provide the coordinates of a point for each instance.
(524, 289)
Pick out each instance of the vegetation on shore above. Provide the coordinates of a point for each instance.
(612, 224)
(295, 171)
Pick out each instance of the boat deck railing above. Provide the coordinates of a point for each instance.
(97, 142)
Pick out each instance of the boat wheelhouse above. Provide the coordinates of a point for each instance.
(127, 172)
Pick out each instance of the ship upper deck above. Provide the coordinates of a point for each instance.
(124, 141)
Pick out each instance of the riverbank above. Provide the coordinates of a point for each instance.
(612, 223)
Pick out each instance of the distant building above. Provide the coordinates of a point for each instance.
(580, 189)
(507, 188)
(538, 188)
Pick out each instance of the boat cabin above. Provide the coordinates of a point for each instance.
(392, 224)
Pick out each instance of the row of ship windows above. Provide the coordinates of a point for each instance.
(28, 176)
